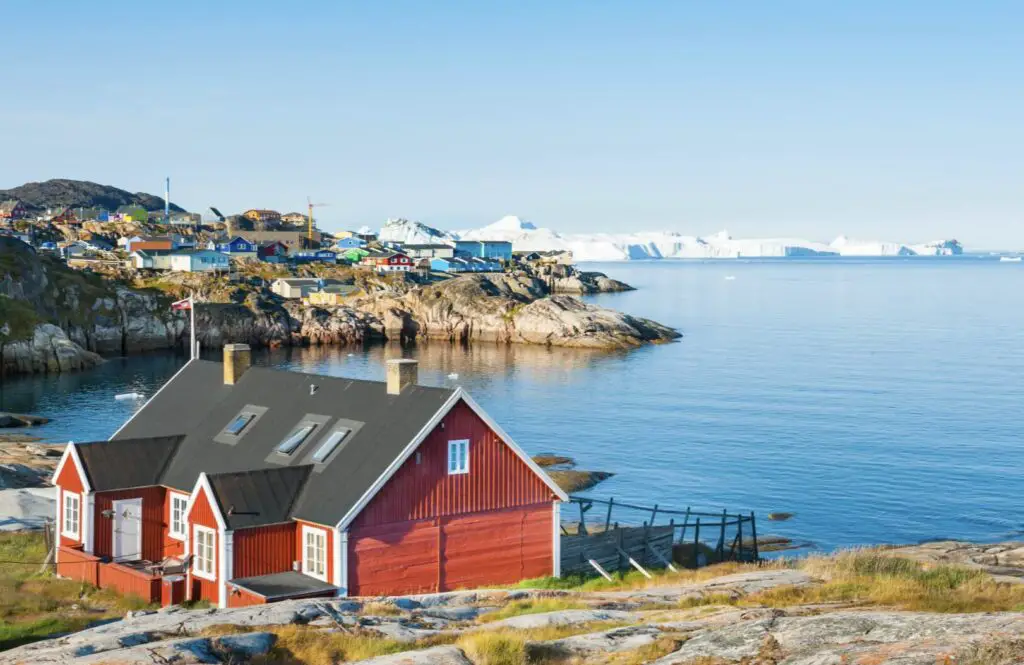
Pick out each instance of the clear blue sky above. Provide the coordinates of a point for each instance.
(888, 119)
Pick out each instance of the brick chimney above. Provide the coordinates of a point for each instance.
(402, 372)
(236, 360)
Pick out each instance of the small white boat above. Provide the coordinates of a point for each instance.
(128, 396)
(453, 376)
(730, 278)
(1010, 259)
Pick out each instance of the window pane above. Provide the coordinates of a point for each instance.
(328, 446)
(238, 424)
(295, 439)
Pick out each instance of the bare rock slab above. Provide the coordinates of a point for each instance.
(443, 655)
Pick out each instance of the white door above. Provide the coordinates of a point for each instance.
(127, 529)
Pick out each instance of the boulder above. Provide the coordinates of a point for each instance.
(443, 655)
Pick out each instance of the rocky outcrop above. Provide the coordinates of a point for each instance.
(568, 279)
(508, 308)
(55, 319)
(48, 351)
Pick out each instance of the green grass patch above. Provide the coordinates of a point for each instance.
(19, 317)
(35, 605)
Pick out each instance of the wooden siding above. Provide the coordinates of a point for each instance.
(242, 598)
(501, 547)
(264, 550)
(300, 544)
(130, 582)
(154, 522)
(422, 488)
(394, 559)
(75, 564)
(203, 515)
(444, 554)
(69, 480)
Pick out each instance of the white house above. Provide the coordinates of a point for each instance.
(201, 260)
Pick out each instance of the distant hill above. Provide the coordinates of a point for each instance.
(39, 196)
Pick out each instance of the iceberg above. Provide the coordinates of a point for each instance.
(527, 237)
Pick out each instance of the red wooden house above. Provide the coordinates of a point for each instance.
(388, 262)
(12, 210)
(244, 485)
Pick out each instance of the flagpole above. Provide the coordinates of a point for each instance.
(192, 332)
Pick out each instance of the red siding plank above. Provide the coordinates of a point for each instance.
(202, 514)
(69, 480)
(264, 550)
(422, 488)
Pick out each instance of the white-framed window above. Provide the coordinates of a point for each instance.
(314, 553)
(178, 528)
(458, 456)
(71, 525)
(203, 559)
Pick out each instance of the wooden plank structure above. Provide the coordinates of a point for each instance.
(692, 537)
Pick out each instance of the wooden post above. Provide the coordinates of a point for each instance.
(646, 541)
(599, 569)
(654, 514)
(696, 543)
(618, 537)
(632, 562)
(753, 534)
(721, 538)
(682, 534)
(608, 519)
(739, 537)
(659, 557)
(583, 520)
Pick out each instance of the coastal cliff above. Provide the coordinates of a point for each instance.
(54, 319)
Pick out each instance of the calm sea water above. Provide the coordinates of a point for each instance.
(878, 400)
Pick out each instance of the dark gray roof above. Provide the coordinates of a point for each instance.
(278, 586)
(197, 402)
(258, 498)
(125, 463)
(184, 401)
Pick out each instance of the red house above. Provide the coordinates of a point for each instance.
(242, 485)
(388, 262)
(11, 210)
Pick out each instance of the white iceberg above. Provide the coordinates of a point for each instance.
(527, 237)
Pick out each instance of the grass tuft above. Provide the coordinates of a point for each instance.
(497, 648)
(872, 577)
(531, 606)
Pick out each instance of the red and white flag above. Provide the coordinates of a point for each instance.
(182, 304)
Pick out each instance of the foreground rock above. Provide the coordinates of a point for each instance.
(1004, 561)
(654, 628)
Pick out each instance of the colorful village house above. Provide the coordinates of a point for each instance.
(243, 485)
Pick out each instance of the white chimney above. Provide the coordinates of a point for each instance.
(402, 372)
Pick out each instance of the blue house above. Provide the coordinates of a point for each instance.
(352, 242)
(200, 260)
(499, 250)
(315, 256)
(237, 246)
(450, 264)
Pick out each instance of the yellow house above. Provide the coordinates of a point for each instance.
(331, 296)
(257, 215)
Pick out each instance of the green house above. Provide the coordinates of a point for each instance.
(356, 254)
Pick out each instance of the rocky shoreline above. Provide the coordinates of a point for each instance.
(732, 614)
(53, 319)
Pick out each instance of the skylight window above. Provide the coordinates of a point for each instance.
(236, 426)
(295, 439)
(329, 445)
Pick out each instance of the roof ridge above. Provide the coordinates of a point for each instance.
(178, 438)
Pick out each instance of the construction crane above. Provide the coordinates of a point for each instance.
(309, 233)
(217, 212)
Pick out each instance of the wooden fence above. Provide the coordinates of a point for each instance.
(619, 548)
(695, 538)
